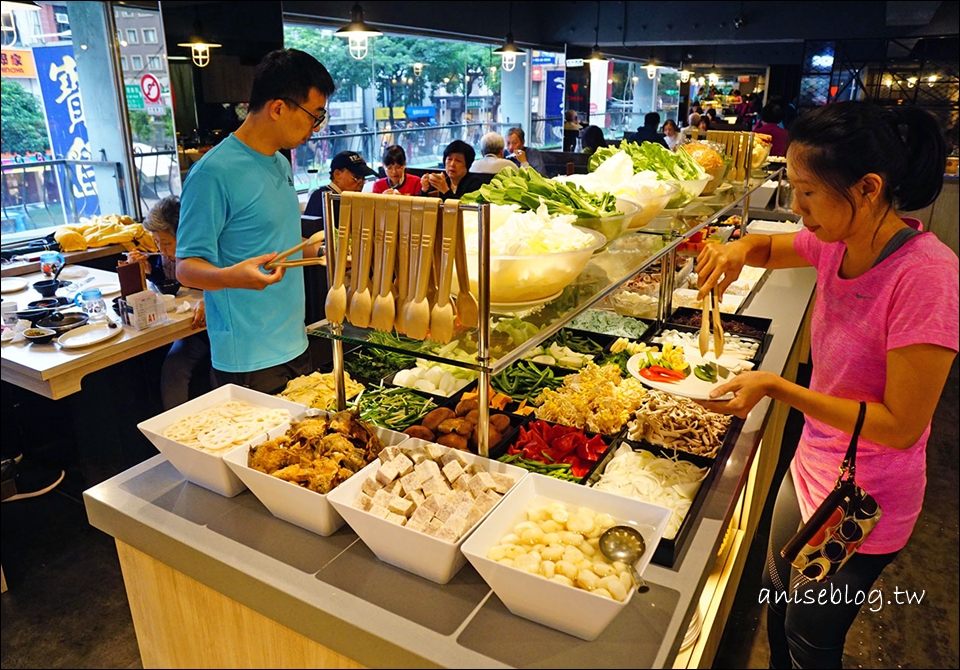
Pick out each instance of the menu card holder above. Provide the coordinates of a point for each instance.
(133, 278)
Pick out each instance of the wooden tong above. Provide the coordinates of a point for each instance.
(279, 261)
(711, 313)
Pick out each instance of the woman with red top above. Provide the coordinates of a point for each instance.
(397, 180)
(884, 332)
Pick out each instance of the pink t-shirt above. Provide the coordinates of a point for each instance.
(911, 297)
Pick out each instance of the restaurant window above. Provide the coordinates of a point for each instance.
(149, 36)
(382, 100)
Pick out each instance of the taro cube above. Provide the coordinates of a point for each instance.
(462, 483)
(403, 464)
(396, 518)
(452, 470)
(410, 482)
(421, 515)
(379, 510)
(387, 454)
(434, 451)
(433, 527)
(427, 469)
(387, 472)
(382, 497)
(417, 455)
(502, 482)
(416, 497)
(458, 524)
(370, 486)
(401, 506)
(363, 502)
(452, 456)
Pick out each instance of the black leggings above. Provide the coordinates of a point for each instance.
(811, 633)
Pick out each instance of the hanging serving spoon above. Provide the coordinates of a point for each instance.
(362, 302)
(335, 307)
(442, 316)
(625, 544)
(384, 307)
(409, 266)
(417, 319)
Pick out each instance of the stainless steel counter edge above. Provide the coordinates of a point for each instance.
(376, 637)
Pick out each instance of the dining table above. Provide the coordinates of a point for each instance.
(54, 370)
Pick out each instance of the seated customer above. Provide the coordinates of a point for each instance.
(591, 139)
(397, 180)
(455, 180)
(648, 132)
(571, 130)
(493, 161)
(189, 355)
(770, 116)
(524, 156)
(348, 172)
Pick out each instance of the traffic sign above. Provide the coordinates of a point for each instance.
(150, 87)
(134, 97)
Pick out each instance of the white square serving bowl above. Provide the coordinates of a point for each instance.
(405, 548)
(291, 502)
(566, 608)
(203, 467)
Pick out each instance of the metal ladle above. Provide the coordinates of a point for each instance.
(625, 544)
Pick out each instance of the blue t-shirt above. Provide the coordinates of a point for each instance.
(238, 204)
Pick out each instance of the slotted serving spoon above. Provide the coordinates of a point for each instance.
(417, 319)
(467, 307)
(335, 307)
(625, 544)
(361, 303)
(316, 238)
(384, 307)
(356, 225)
(442, 316)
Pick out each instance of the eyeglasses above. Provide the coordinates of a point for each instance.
(318, 121)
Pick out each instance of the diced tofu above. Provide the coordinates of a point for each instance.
(403, 464)
(410, 482)
(416, 497)
(452, 471)
(396, 518)
(417, 455)
(434, 527)
(502, 482)
(370, 486)
(387, 454)
(458, 524)
(387, 473)
(382, 498)
(427, 469)
(447, 534)
(434, 451)
(401, 506)
(378, 510)
(363, 502)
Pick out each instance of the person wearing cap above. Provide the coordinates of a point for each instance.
(348, 172)
(239, 210)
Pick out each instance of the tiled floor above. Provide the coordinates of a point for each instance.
(66, 607)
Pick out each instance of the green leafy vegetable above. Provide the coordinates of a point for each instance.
(619, 359)
(655, 157)
(526, 188)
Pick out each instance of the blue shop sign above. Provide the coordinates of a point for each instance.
(421, 112)
(544, 60)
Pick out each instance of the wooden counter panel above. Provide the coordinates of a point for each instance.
(181, 623)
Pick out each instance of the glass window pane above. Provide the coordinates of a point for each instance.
(149, 35)
(137, 62)
(132, 36)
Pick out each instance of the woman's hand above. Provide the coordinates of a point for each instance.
(137, 256)
(435, 182)
(748, 389)
(199, 316)
(719, 265)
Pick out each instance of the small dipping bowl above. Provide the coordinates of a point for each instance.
(39, 335)
(47, 288)
(45, 303)
(33, 315)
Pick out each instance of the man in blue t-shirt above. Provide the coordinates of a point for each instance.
(239, 209)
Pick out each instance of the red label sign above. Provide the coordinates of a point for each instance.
(150, 88)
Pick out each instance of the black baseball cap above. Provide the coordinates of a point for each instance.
(352, 161)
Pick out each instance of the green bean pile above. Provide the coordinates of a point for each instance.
(524, 380)
(396, 408)
(555, 470)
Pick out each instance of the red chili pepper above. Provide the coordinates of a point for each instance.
(677, 374)
(654, 376)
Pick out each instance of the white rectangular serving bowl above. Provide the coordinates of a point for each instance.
(291, 502)
(566, 608)
(409, 549)
(203, 467)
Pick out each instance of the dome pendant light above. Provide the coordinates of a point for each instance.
(199, 47)
(508, 52)
(358, 33)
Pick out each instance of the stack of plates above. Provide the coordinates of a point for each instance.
(693, 630)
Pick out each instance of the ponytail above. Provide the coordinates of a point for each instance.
(848, 140)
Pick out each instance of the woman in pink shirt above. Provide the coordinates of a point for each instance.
(884, 331)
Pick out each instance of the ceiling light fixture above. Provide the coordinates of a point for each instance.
(418, 69)
(595, 55)
(199, 47)
(358, 33)
(651, 68)
(684, 74)
(508, 52)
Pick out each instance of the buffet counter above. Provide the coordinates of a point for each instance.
(220, 582)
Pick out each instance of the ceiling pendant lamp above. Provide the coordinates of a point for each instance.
(595, 55)
(508, 52)
(358, 33)
(684, 74)
(199, 47)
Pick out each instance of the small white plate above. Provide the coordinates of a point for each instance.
(7, 335)
(511, 307)
(106, 287)
(90, 334)
(692, 387)
(12, 284)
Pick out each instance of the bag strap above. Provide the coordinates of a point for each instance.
(849, 465)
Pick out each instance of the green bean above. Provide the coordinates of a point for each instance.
(395, 408)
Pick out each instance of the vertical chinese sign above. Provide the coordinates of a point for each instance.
(57, 72)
